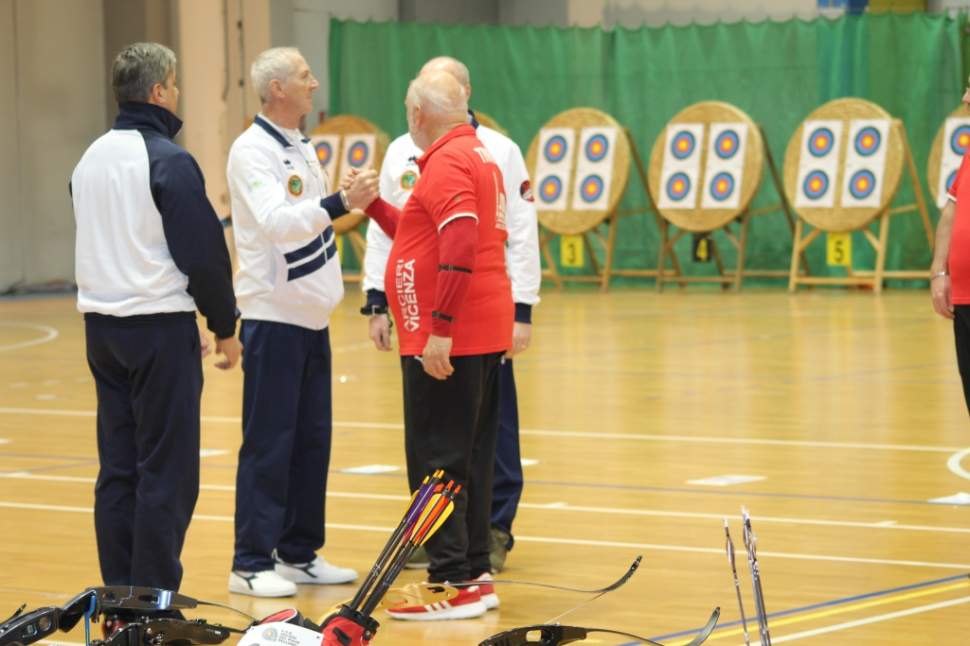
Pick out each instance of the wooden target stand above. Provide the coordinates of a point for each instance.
(873, 222)
(336, 141)
(698, 218)
(600, 224)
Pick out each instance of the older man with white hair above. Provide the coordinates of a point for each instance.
(399, 172)
(450, 294)
(287, 285)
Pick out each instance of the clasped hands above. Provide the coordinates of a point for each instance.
(360, 188)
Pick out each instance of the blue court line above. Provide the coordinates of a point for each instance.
(815, 606)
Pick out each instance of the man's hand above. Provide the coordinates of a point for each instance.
(363, 189)
(205, 345)
(435, 359)
(521, 338)
(348, 179)
(231, 349)
(379, 328)
(940, 291)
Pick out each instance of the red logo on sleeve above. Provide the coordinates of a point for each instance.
(526, 191)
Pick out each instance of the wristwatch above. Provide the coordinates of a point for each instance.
(373, 310)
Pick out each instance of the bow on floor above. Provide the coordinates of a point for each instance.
(555, 634)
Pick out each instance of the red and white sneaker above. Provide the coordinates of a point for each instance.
(487, 589)
(467, 605)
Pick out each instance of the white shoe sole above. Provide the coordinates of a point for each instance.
(491, 601)
(299, 576)
(237, 585)
(466, 611)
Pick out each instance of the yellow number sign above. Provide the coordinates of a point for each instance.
(571, 251)
(839, 249)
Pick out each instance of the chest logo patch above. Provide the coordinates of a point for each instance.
(408, 180)
(295, 185)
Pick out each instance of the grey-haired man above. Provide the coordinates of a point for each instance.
(288, 283)
(149, 250)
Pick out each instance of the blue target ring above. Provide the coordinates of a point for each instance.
(950, 181)
(358, 154)
(550, 189)
(816, 184)
(722, 186)
(867, 141)
(820, 142)
(726, 145)
(678, 186)
(555, 148)
(324, 152)
(591, 188)
(597, 147)
(683, 144)
(960, 139)
(862, 184)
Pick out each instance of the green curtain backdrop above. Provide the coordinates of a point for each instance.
(778, 72)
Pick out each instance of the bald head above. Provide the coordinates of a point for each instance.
(436, 103)
(439, 96)
(452, 66)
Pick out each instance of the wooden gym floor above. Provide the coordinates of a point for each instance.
(844, 409)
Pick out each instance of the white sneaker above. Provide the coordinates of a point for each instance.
(265, 583)
(317, 571)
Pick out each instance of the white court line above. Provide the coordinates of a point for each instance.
(867, 620)
(642, 437)
(49, 335)
(963, 567)
(953, 464)
(564, 506)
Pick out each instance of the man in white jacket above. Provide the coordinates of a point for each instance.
(287, 285)
(399, 173)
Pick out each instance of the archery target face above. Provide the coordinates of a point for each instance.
(865, 163)
(550, 189)
(326, 148)
(956, 138)
(596, 148)
(960, 139)
(594, 168)
(867, 141)
(553, 167)
(726, 144)
(555, 149)
(681, 166)
(724, 168)
(678, 186)
(591, 188)
(818, 163)
(820, 142)
(816, 185)
(722, 186)
(358, 154)
(862, 184)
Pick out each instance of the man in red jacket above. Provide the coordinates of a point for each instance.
(950, 270)
(450, 295)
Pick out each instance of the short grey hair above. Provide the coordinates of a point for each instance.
(278, 63)
(137, 68)
(434, 97)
